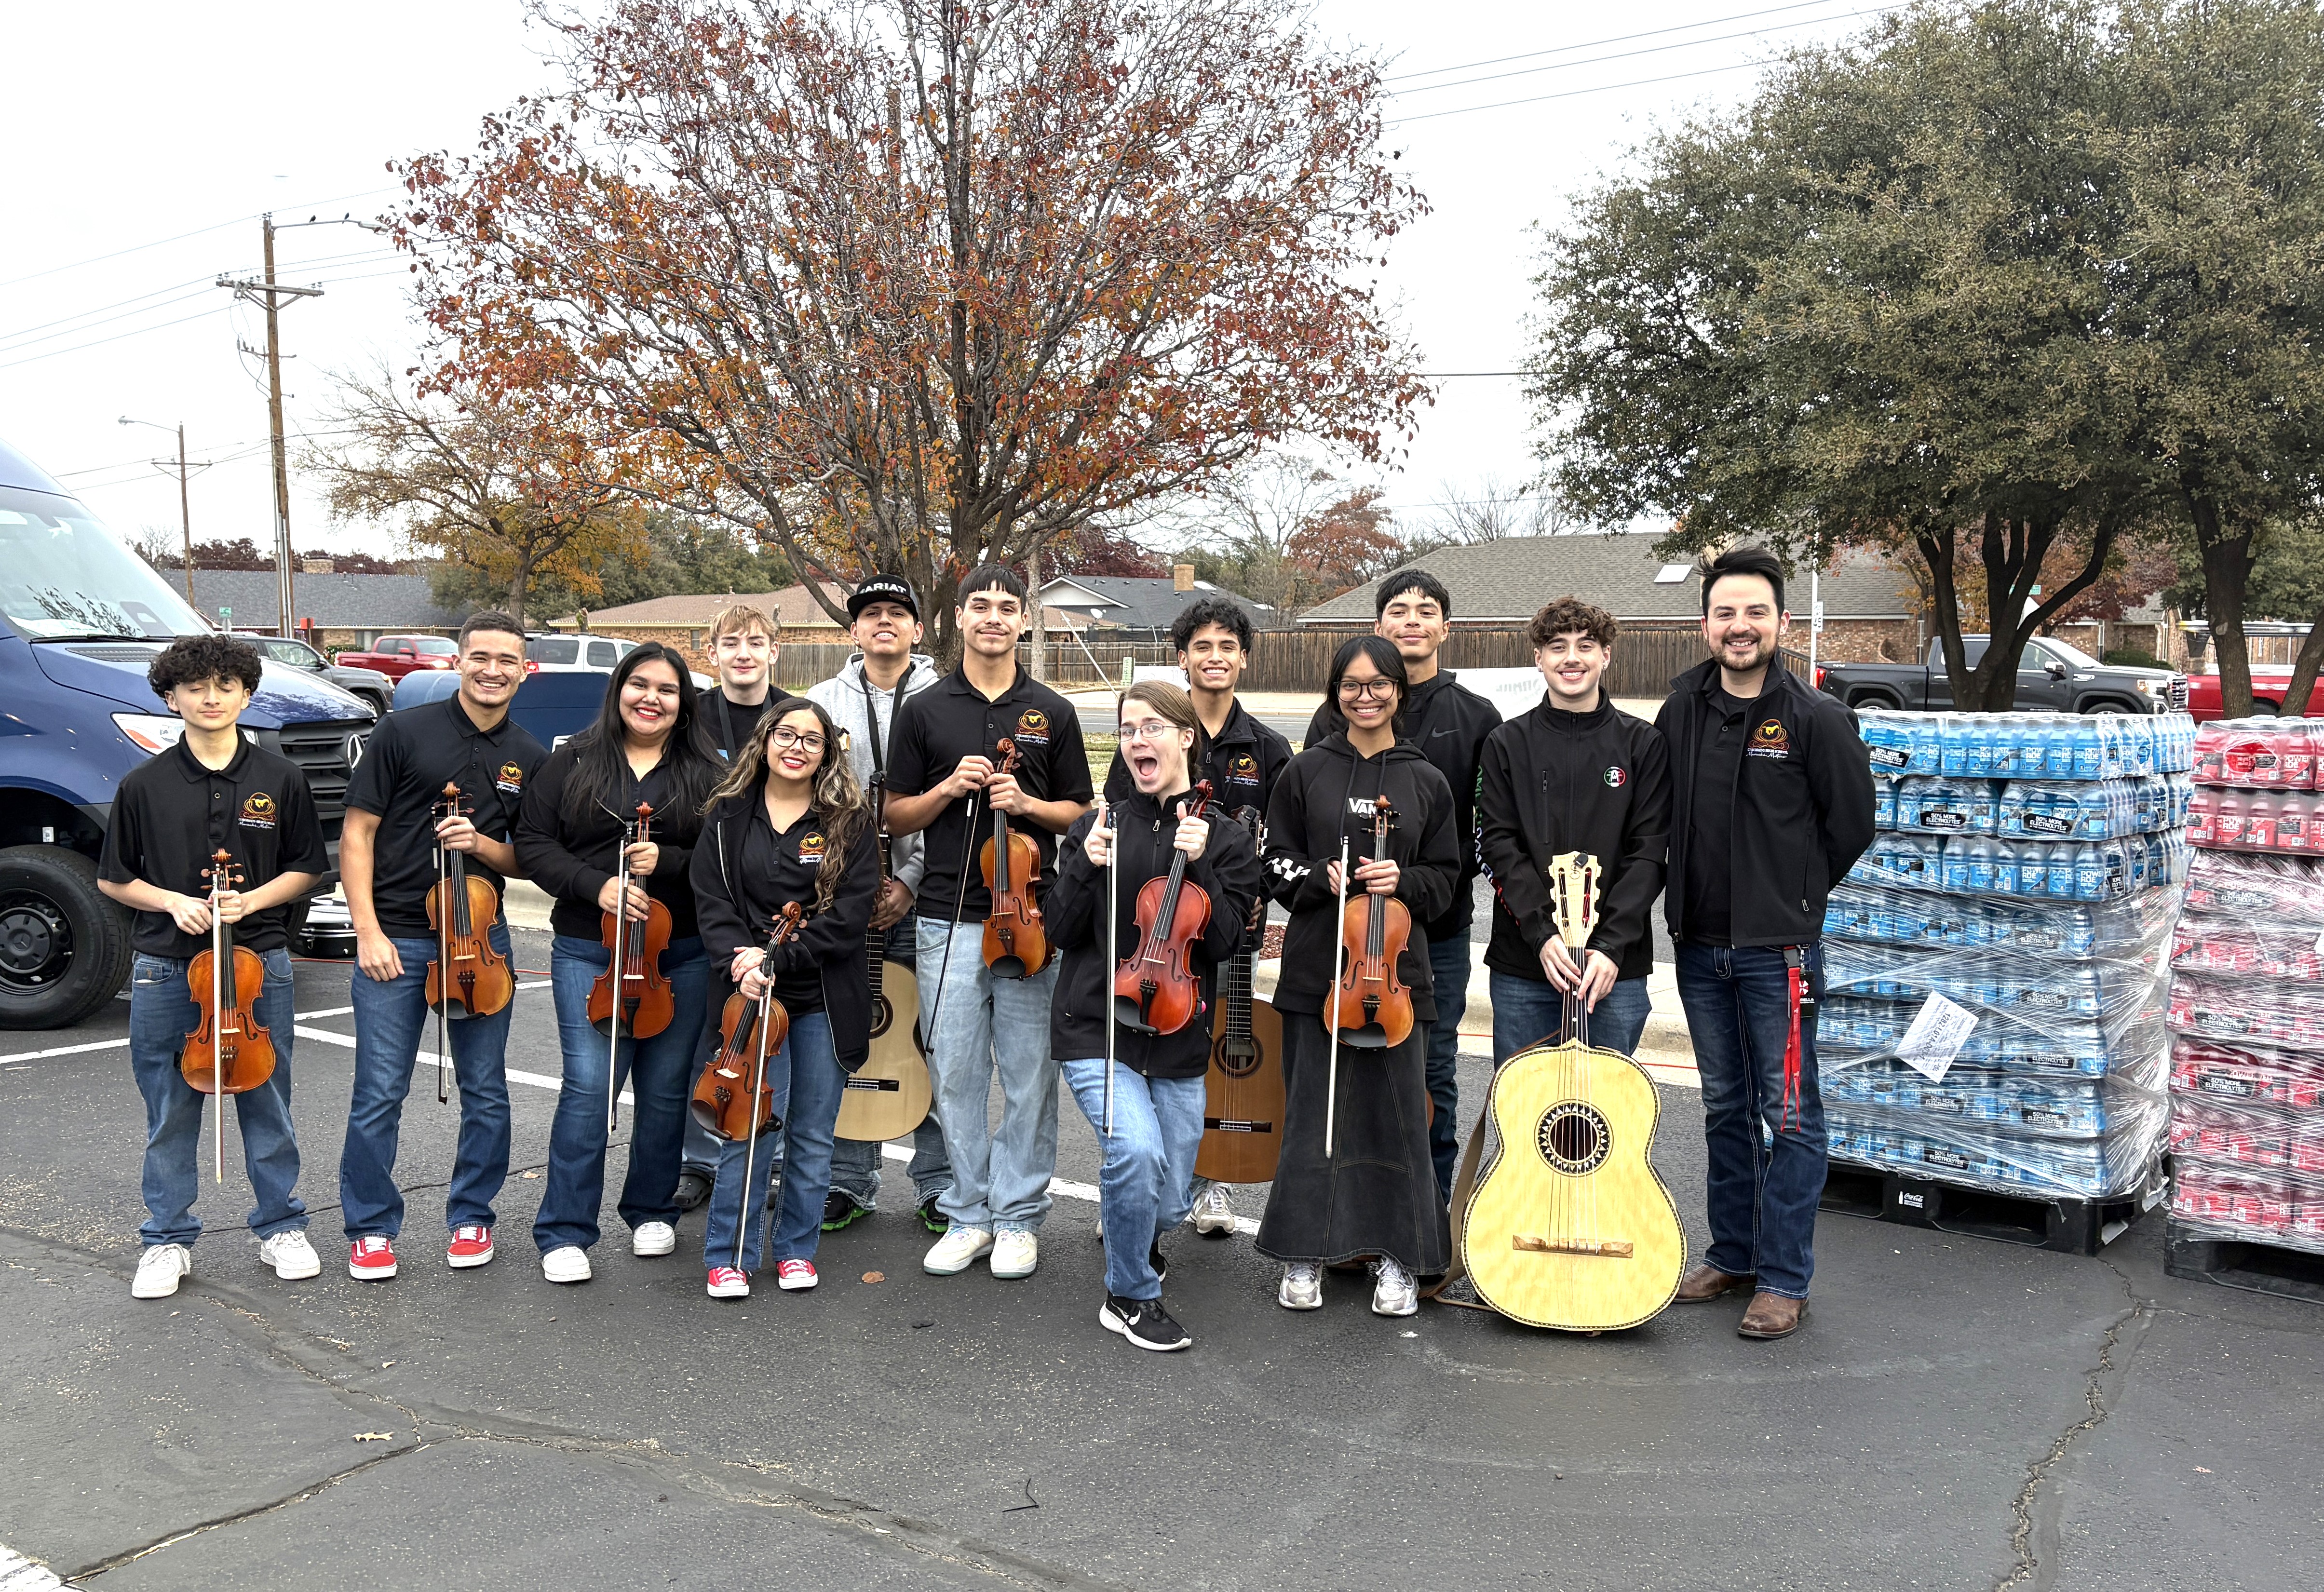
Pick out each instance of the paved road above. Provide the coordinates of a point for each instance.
(1958, 1414)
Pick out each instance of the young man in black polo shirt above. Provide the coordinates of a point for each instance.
(1448, 723)
(1771, 805)
(213, 791)
(387, 864)
(1213, 638)
(945, 781)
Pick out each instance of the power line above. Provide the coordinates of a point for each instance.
(1709, 21)
(18, 344)
(117, 337)
(117, 304)
(182, 237)
(1736, 65)
(1562, 66)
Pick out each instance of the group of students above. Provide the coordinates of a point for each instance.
(1751, 790)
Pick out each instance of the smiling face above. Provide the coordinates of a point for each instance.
(1213, 659)
(1573, 664)
(1416, 622)
(650, 700)
(1154, 748)
(208, 704)
(742, 659)
(796, 764)
(1367, 700)
(886, 630)
(491, 666)
(990, 620)
(1742, 625)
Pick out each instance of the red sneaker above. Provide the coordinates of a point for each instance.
(371, 1260)
(796, 1276)
(470, 1246)
(726, 1283)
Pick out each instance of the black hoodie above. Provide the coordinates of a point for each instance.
(1228, 872)
(1324, 794)
(1554, 782)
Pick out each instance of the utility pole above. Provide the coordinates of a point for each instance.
(185, 500)
(268, 296)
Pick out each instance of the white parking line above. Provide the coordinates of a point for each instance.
(20, 1574)
(329, 1011)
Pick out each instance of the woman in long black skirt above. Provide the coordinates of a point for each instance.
(1375, 1195)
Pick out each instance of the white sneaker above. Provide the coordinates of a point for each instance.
(294, 1258)
(1214, 1216)
(567, 1263)
(160, 1270)
(654, 1238)
(957, 1251)
(1303, 1287)
(1015, 1254)
(1394, 1293)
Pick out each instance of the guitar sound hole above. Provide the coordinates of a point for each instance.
(1574, 1137)
(1237, 1063)
(883, 1012)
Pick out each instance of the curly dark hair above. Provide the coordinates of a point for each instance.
(192, 660)
(1570, 613)
(1221, 611)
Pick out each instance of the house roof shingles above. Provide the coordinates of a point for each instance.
(333, 602)
(1146, 603)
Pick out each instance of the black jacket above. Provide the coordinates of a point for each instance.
(1228, 872)
(1448, 723)
(1803, 798)
(1553, 782)
(737, 908)
(572, 858)
(1325, 794)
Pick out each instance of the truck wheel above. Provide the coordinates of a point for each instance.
(64, 948)
(1879, 699)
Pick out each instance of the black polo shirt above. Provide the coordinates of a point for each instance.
(412, 756)
(951, 720)
(1243, 759)
(731, 723)
(172, 814)
(1709, 882)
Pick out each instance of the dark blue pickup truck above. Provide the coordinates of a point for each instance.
(81, 618)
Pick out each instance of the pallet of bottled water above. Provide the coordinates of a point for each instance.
(2027, 746)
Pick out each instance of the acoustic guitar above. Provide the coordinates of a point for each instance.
(1571, 1227)
(888, 1096)
(1242, 1090)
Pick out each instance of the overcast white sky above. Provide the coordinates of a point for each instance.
(137, 123)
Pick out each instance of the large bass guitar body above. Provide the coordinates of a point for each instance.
(888, 1096)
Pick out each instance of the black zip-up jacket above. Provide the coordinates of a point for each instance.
(1326, 792)
(1448, 723)
(1241, 763)
(1228, 872)
(572, 857)
(1803, 804)
(737, 907)
(1554, 782)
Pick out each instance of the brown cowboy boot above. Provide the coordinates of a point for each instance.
(1706, 1282)
(1771, 1315)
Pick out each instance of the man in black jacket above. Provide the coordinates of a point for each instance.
(1576, 774)
(1447, 723)
(1772, 804)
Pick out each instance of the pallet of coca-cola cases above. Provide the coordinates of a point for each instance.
(2246, 1015)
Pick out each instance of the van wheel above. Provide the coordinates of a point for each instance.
(64, 948)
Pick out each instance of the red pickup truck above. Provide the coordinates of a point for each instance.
(2271, 682)
(397, 655)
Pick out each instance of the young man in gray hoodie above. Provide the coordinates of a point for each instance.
(862, 699)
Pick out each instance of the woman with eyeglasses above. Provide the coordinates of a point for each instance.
(648, 745)
(1374, 1196)
(789, 825)
(1146, 1186)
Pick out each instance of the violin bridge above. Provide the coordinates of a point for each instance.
(1534, 1244)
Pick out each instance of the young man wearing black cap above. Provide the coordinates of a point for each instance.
(863, 699)
(945, 779)
(1771, 804)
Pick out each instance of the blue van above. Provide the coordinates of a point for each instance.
(81, 620)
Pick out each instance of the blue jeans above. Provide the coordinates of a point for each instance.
(1527, 1011)
(1763, 1195)
(807, 1082)
(1146, 1185)
(161, 1013)
(855, 1162)
(659, 1070)
(1000, 1182)
(1448, 974)
(392, 1020)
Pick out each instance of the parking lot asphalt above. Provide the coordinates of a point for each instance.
(1956, 1413)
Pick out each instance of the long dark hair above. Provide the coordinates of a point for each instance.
(1386, 658)
(601, 772)
(835, 794)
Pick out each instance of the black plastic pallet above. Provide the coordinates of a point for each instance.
(2069, 1226)
(2239, 1263)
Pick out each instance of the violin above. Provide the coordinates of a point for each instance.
(1370, 1006)
(647, 1005)
(1016, 946)
(465, 969)
(1155, 991)
(732, 1099)
(227, 1052)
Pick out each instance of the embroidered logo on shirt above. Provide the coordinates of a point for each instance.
(1770, 740)
(510, 780)
(1616, 777)
(1361, 806)
(258, 811)
(1033, 725)
(1243, 767)
(810, 853)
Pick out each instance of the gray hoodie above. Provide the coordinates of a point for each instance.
(849, 698)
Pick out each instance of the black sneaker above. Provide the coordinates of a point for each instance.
(1144, 1323)
(839, 1210)
(932, 1219)
(693, 1189)
(1154, 1257)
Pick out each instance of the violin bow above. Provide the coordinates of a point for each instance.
(616, 969)
(1112, 959)
(751, 1146)
(1331, 1006)
(216, 875)
(451, 800)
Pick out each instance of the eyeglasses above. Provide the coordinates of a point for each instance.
(1151, 730)
(786, 737)
(1381, 688)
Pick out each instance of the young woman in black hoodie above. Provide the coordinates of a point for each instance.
(1376, 1194)
(1146, 1186)
(789, 825)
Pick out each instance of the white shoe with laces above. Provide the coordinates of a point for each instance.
(1214, 1216)
(651, 1239)
(1015, 1254)
(1394, 1293)
(294, 1258)
(957, 1251)
(1303, 1287)
(567, 1263)
(160, 1270)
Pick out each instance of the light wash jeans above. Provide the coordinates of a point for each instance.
(1146, 1185)
(161, 1013)
(1448, 979)
(999, 1181)
(855, 1162)
(807, 1082)
(1527, 1011)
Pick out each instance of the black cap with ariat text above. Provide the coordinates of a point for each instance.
(882, 588)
